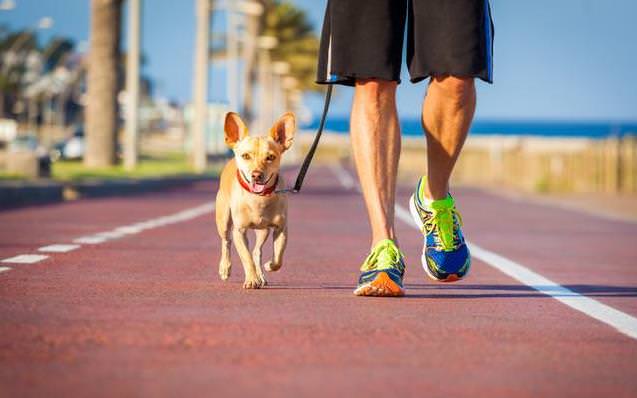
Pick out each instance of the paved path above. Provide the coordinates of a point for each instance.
(141, 312)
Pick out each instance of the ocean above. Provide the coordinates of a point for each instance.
(596, 130)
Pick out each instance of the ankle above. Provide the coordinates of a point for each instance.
(378, 240)
(431, 192)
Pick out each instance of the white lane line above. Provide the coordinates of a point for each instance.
(60, 248)
(115, 233)
(89, 240)
(345, 178)
(620, 321)
(24, 259)
(136, 228)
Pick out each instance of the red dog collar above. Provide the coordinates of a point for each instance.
(245, 185)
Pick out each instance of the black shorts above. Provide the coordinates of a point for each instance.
(364, 39)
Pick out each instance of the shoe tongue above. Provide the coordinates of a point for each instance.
(443, 204)
(257, 187)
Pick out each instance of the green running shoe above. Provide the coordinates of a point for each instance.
(445, 255)
(382, 272)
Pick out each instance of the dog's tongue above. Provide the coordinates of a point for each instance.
(256, 187)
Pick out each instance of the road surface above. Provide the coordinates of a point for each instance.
(127, 303)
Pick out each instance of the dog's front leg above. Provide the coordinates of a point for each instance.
(280, 238)
(240, 239)
(262, 235)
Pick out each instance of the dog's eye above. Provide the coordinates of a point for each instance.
(270, 158)
(246, 156)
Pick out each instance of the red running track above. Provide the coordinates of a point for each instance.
(145, 314)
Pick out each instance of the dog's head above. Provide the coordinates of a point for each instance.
(259, 158)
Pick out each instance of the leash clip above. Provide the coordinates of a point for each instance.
(286, 191)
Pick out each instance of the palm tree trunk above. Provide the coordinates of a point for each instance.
(103, 82)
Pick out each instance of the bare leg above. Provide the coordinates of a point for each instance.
(446, 116)
(262, 235)
(280, 240)
(376, 147)
(252, 281)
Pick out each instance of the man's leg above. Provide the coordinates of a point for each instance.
(376, 146)
(447, 113)
(446, 116)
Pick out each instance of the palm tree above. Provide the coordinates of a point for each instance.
(297, 45)
(14, 51)
(103, 83)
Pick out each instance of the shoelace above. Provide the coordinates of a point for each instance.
(442, 222)
(383, 254)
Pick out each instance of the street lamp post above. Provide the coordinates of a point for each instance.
(265, 45)
(279, 69)
(232, 62)
(200, 89)
(132, 86)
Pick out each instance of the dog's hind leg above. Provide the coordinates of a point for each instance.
(224, 227)
(261, 236)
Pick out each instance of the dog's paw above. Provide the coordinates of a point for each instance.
(224, 271)
(255, 283)
(264, 281)
(270, 266)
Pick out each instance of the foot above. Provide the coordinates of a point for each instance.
(445, 255)
(224, 270)
(382, 272)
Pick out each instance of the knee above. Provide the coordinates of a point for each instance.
(376, 90)
(459, 88)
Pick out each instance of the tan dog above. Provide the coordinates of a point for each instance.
(246, 197)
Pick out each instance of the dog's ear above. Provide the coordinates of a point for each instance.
(234, 129)
(283, 130)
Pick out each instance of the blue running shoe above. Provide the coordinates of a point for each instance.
(382, 272)
(445, 256)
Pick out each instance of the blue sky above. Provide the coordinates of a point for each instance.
(566, 59)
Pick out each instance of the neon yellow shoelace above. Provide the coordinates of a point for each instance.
(383, 256)
(442, 222)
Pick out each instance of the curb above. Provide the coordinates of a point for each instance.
(14, 194)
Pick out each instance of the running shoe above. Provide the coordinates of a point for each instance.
(382, 272)
(445, 255)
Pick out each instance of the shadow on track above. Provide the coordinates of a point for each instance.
(484, 291)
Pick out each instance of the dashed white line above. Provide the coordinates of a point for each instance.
(118, 232)
(59, 248)
(25, 259)
(90, 240)
(115, 233)
(620, 321)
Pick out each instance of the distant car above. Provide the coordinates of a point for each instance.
(29, 143)
(74, 147)
(71, 148)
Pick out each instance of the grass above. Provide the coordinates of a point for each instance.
(166, 166)
(169, 165)
(4, 176)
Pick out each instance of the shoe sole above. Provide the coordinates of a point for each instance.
(423, 258)
(382, 286)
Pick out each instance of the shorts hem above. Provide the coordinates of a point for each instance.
(484, 76)
(349, 79)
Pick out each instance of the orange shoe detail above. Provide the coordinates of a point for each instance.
(382, 286)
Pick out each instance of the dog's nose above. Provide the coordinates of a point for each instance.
(257, 175)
